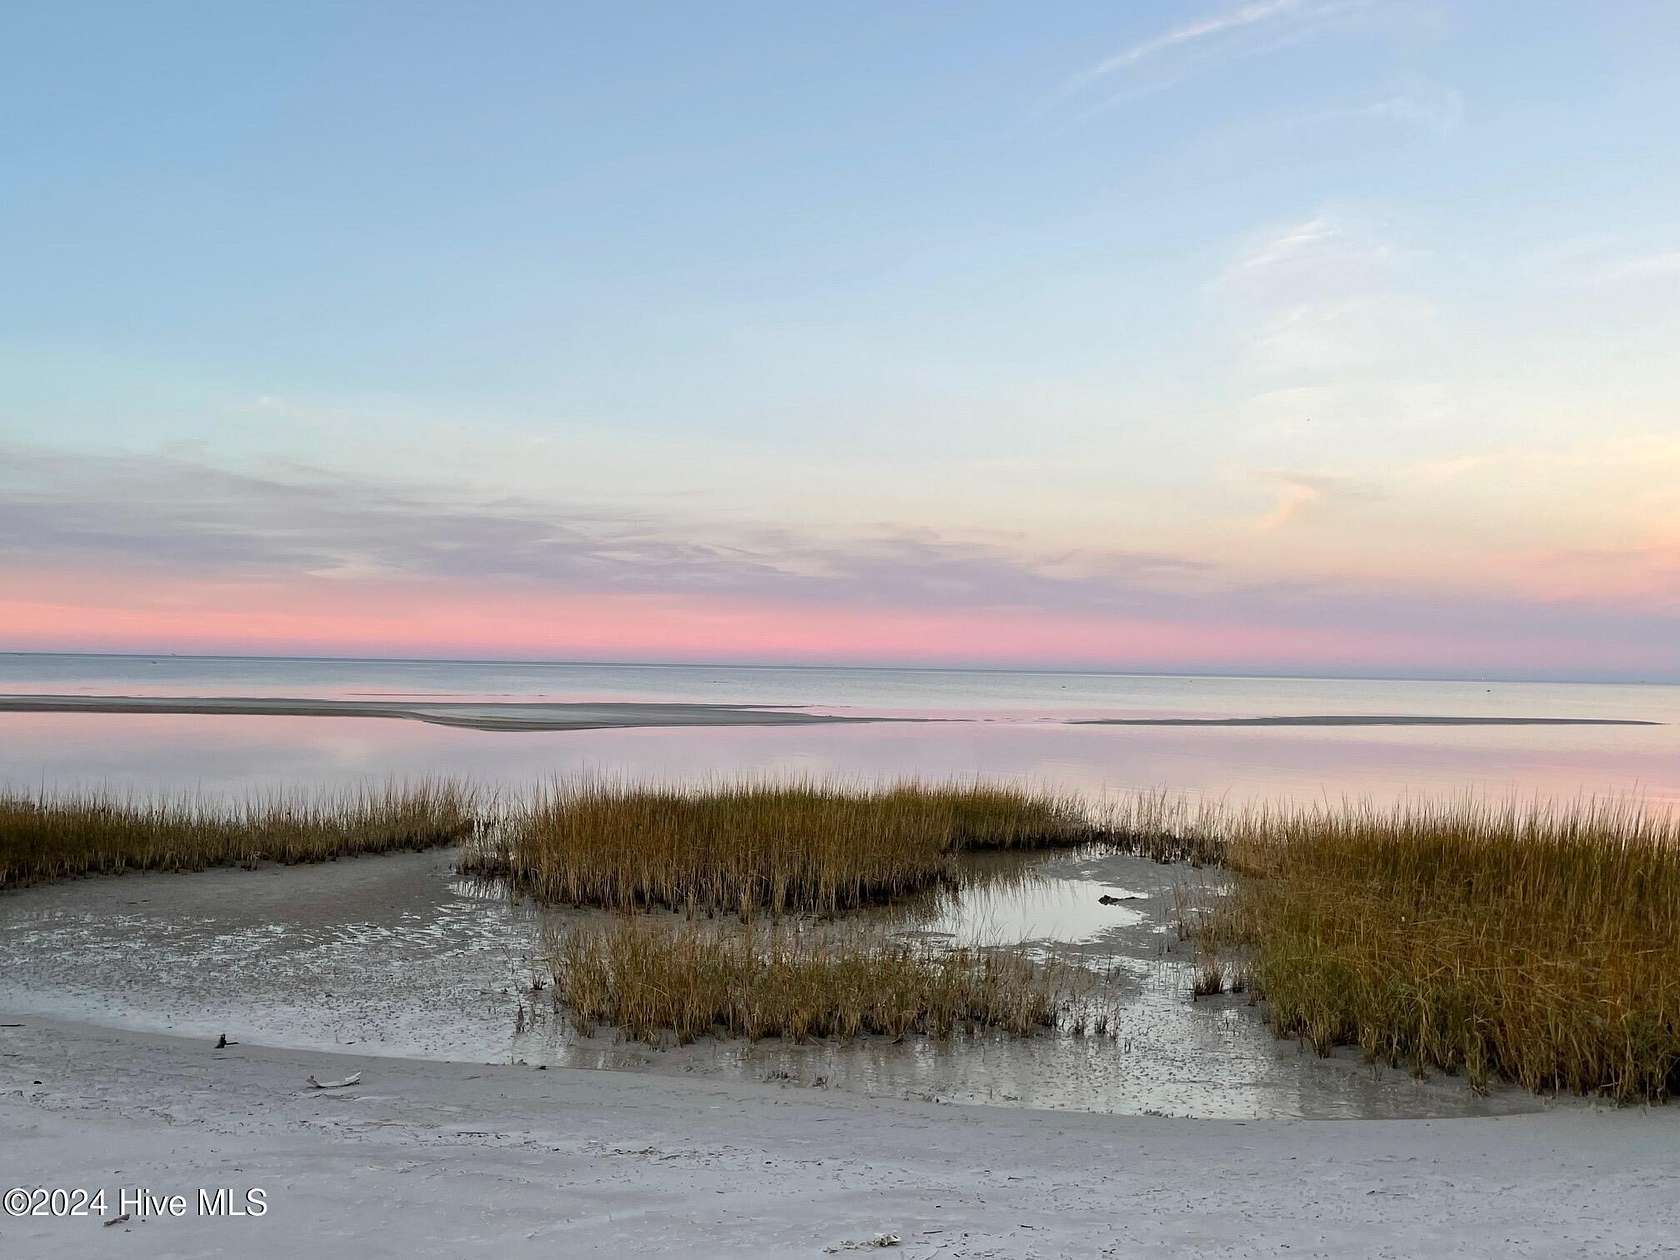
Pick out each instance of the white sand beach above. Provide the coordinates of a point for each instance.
(513, 1161)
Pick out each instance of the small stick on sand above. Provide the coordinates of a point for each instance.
(352, 1079)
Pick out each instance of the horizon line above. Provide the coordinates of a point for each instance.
(1070, 670)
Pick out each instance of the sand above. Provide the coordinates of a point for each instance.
(569, 716)
(484, 716)
(430, 1158)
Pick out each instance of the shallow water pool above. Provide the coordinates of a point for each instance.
(396, 955)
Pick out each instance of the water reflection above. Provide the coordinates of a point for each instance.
(1011, 899)
(150, 753)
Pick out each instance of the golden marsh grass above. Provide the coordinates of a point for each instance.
(1535, 944)
(658, 980)
(64, 836)
(1538, 944)
(817, 847)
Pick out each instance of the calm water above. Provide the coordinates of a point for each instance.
(998, 723)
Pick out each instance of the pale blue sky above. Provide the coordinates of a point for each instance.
(1362, 297)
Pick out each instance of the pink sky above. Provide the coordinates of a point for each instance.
(464, 618)
(164, 553)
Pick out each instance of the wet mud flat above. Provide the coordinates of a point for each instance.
(397, 955)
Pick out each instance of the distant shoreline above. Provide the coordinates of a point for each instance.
(1365, 719)
(587, 716)
(490, 716)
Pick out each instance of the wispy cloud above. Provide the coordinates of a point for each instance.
(1322, 296)
(171, 515)
(1327, 249)
(1192, 32)
(1661, 264)
(190, 535)
(1160, 60)
(1603, 259)
(1299, 491)
(1419, 103)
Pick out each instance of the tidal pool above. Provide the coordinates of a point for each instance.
(397, 955)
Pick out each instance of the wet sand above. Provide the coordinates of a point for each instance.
(394, 955)
(485, 716)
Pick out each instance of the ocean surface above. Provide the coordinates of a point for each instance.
(1019, 725)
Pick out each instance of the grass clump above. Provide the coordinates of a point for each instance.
(659, 981)
(64, 836)
(1168, 827)
(1540, 945)
(748, 847)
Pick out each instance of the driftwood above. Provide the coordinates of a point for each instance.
(352, 1079)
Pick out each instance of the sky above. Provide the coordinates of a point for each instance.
(1299, 336)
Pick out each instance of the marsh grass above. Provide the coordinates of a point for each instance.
(1538, 944)
(1167, 827)
(63, 836)
(659, 980)
(1209, 979)
(750, 847)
